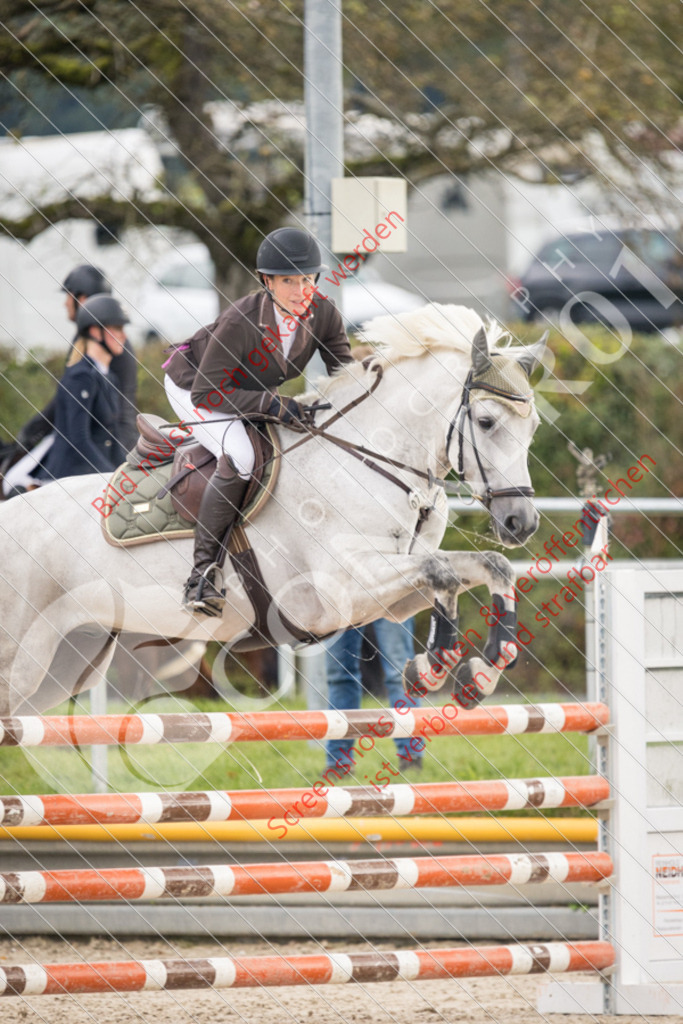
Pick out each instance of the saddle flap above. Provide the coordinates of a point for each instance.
(193, 467)
(266, 466)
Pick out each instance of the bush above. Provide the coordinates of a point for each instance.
(628, 410)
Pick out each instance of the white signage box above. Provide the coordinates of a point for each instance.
(369, 208)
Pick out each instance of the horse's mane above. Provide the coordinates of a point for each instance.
(408, 335)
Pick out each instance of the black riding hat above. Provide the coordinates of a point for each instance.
(289, 251)
(100, 311)
(86, 280)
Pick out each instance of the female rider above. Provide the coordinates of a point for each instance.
(233, 367)
(87, 402)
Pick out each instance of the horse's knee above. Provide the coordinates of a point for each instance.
(450, 573)
(437, 572)
(500, 567)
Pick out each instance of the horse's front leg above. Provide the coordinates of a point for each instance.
(444, 664)
(402, 585)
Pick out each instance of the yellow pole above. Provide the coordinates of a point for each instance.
(348, 830)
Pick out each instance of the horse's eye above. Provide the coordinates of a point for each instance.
(485, 422)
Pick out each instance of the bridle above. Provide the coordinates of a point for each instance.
(464, 412)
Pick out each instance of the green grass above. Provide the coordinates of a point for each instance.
(286, 764)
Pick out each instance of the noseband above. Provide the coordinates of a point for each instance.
(464, 412)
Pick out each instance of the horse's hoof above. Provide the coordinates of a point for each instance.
(465, 691)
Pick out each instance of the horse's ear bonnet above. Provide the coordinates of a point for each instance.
(504, 378)
(499, 377)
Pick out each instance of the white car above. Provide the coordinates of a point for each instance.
(181, 296)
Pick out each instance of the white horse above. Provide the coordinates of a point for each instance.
(338, 544)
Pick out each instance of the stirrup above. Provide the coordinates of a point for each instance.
(212, 603)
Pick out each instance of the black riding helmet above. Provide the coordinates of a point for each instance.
(86, 280)
(100, 311)
(289, 251)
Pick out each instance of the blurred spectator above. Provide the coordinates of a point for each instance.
(87, 402)
(394, 645)
(79, 285)
(20, 461)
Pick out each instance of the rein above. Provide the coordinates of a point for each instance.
(366, 455)
(379, 372)
(464, 412)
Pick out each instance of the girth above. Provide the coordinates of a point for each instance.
(267, 615)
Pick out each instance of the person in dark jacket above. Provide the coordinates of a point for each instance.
(233, 367)
(79, 284)
(87, 400)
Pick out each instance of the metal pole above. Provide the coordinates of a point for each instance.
(324, 103)
(323, 161)
(99, 756)
(323, 96)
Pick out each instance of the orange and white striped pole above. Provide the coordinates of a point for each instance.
(306, 876)
(228, 727)
(323, 969)
(292, 805)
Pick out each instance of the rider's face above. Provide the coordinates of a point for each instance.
(293, 293)
(115, 338)
(71, 306)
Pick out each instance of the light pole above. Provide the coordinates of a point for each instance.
(323, 96)
(323, 161)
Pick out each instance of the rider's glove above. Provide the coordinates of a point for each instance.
(287, 410)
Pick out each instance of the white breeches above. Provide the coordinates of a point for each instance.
(21, 473)
(217, 433)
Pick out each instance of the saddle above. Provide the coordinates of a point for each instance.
(156, 493)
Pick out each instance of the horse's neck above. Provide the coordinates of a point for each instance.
(414, 402)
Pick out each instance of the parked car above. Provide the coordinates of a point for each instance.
(181, 296)
(638, 272)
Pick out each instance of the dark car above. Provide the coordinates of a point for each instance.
(590, 276)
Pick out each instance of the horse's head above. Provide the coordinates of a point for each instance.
(490, 433)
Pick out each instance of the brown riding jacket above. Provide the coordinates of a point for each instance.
(236, 364)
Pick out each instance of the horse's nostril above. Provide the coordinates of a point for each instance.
(513, 525)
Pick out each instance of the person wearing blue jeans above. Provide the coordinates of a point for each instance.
(394, 645)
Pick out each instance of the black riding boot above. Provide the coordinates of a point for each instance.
(218, 510)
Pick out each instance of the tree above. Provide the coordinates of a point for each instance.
(460, 86)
